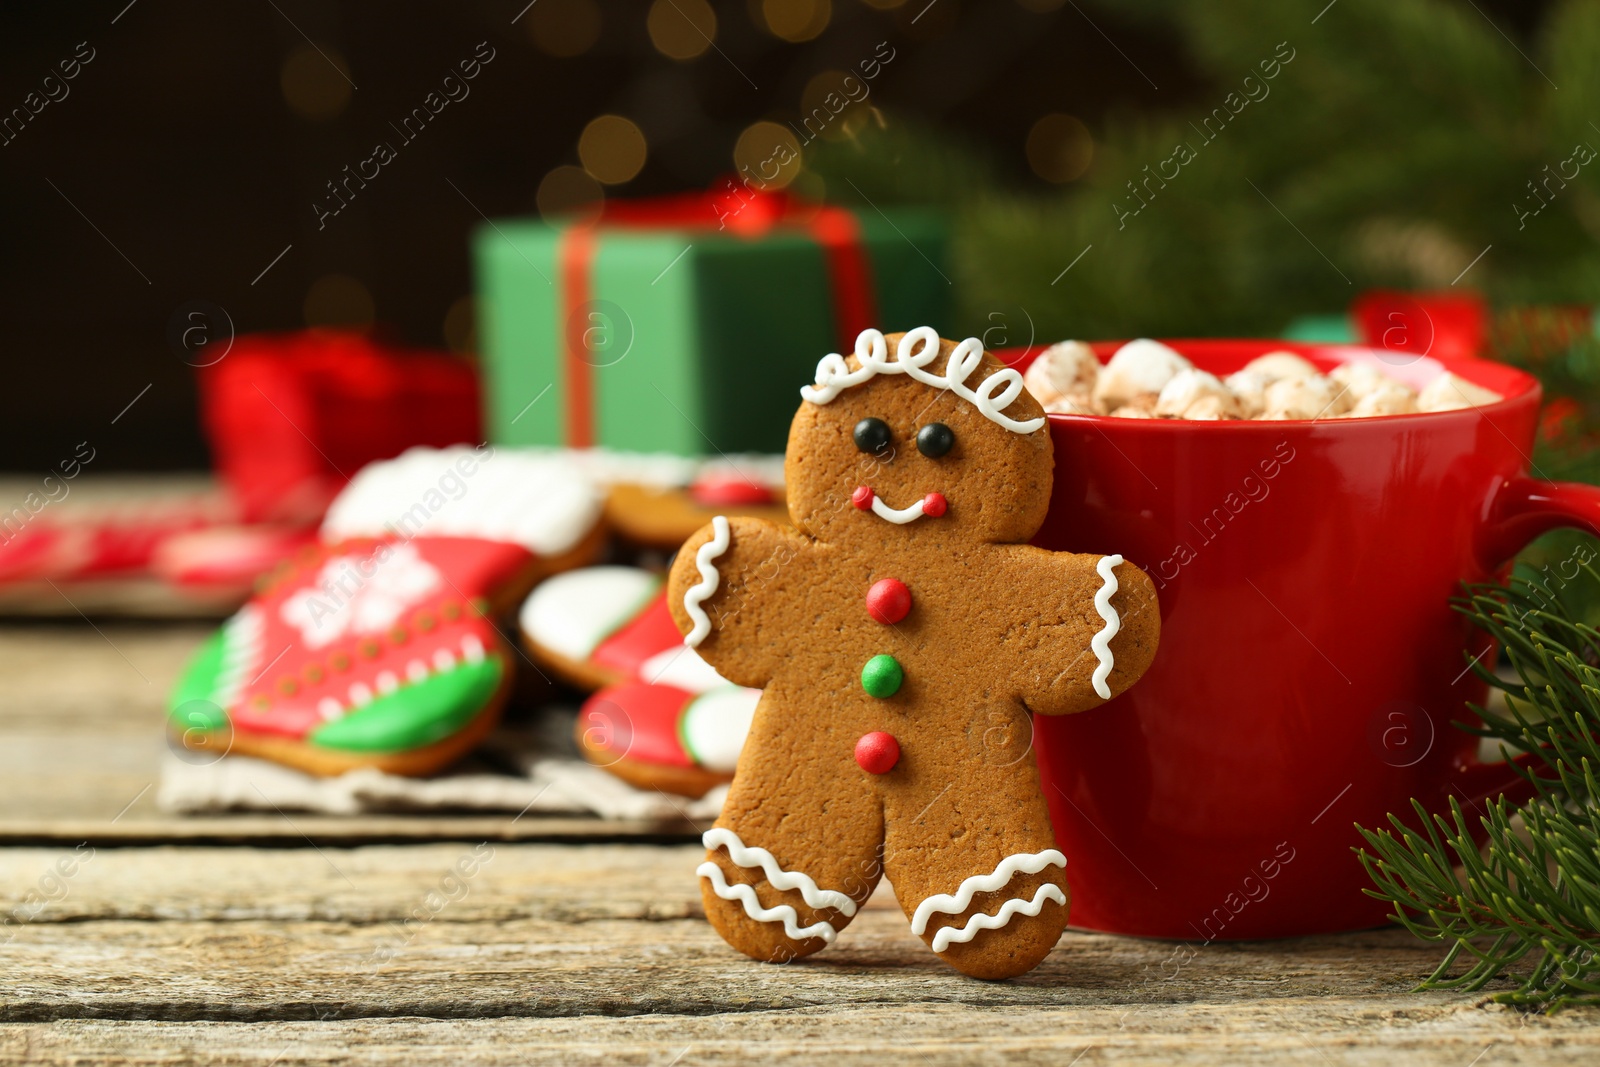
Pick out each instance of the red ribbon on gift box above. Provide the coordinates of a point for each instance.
(745, 213)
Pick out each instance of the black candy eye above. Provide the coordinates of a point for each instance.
(935, 439)
(872, 435)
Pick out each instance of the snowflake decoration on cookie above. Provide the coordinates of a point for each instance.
(360, 594)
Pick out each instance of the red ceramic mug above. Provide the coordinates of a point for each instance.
(1310, 665)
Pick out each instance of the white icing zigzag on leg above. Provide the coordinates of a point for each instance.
(1010, 867)
(783, 913)
(777, 877)
(981, 921)
(1101, 644)
(707, 585)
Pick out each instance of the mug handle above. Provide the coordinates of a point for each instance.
(1523, 509)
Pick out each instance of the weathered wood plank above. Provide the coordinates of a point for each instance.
(82, 737)
(1431, 1031)
(464, 931)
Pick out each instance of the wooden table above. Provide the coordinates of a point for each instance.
(284, 939)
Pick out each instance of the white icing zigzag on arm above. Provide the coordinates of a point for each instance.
(777, 877)
(993, 395)
(1102, 640)
(1010, 867)
(707, 585)
(1015, 906)
(783, 913)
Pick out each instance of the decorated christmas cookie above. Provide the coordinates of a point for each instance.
(376, 648)
(665, 738)
(604, 626)
(902, 633)
(663, 718)
(656, 500)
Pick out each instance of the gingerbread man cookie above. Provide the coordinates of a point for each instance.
(902, 632)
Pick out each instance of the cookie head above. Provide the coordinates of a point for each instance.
(921, 435)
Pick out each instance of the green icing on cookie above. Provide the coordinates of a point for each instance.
(193, 704)
(417, 714)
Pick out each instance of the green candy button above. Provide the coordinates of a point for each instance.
(881, 677)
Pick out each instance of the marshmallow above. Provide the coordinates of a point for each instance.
(1139, 367)
(1302, 398)
(1389, 398)
(1361, 378)
(1251, 388)
(1142, 406)
(1068, 369)
(1188, 389)
(1078, 404)
(1450, 393)
(1281, 366)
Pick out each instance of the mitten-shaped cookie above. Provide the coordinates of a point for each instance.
(377, 647)
(902, 632)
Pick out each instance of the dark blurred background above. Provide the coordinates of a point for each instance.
(185, 158)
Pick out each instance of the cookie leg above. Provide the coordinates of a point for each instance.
(977, 872)
(795, 852)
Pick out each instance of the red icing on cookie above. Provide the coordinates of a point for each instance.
(351, 621)
(647, 634)
(933, 505)
(888, 601)
(877, 752)
(636, 722)
(862, 497)
(728, 488)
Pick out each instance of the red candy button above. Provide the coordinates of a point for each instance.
(888, 601)
(862, 497)
(933, 505)
(877, 752)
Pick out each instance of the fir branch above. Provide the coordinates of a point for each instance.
(1532, 891)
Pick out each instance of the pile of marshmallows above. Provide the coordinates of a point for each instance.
(1147, 380)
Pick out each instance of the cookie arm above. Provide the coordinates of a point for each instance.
(1087, 632)
(722, 584)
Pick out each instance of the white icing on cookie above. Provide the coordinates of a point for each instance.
(359, 594)
(948, 935)
(713, 727)
(571, 614)
(783, 913)
(898, 516)
(707, 585)
(1101, 643)
(915, 350)
(1009, 868)
(539, 501)
(241, 654)
(777, 877)
(682, 668)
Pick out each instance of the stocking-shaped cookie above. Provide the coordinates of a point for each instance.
(902, 633)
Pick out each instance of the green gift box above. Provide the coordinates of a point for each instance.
(685, 325)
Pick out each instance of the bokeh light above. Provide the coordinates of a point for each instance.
(569, 192)
(796, 20)
(767, 155)
(682, 29)
(612, 149)
(315, 83)
(564, 27)
(833, 105)
(1060, 148)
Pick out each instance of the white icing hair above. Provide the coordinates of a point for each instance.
(918, 348)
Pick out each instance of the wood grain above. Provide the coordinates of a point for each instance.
(82, 715)
(569, 953)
